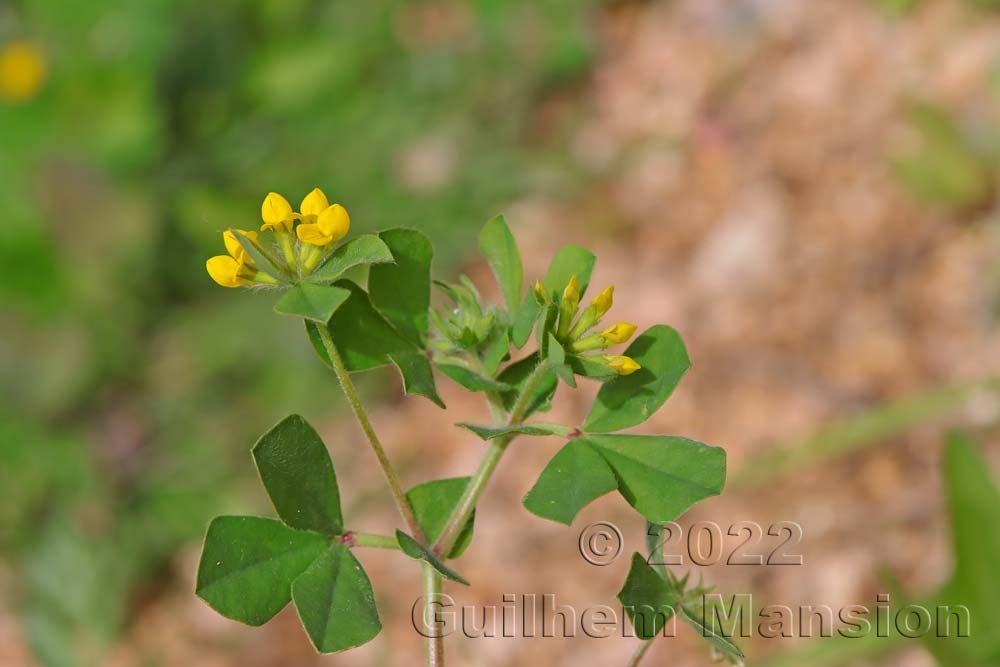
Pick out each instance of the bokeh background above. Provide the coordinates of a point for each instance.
(806, 189)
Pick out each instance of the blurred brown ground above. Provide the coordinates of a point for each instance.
(746, 199)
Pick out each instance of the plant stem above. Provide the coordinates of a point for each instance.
(640, 651)
(402, 504)
(467, 503)
(356, 539)
(433, 645)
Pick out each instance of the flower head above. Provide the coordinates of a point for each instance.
(622, 365)
(332, 224)
(277, 213)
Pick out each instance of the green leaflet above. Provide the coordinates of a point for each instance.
(472, 380)
(316, 303)
(433, 503)
(647, 599)
(576, 476)
(417, 374)
(362, 336)
(297, 472)
(263, 258)
(248, 564)
(335, 601)
(401, 291)
(660, 476)
(631, 399)
(569, 261)
(500, 249)
(361, 250)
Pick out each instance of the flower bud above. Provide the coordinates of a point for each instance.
(571, 295)
(619, 333)
(622, 365)
(602, 302)
(541, 296)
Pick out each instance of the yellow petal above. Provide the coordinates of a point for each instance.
(233, 246)
(276, 212)
(619, 333)
(623, 365)
(334, 222)
(309, 233)
(314, 203)
(226, 271)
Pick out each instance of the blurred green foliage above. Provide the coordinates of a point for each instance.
(131, 384)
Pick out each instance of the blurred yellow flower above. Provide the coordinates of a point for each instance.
(331, 225)
(622, 365)
(22, 71)
(277, 213)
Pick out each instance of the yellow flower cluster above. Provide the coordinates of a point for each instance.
(303, 237)
(573, 333)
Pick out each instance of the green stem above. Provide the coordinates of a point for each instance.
(434, 645)
(467, 503)
(355, 539)
(402, 504)
(640, 651)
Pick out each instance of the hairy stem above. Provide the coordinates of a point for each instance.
(433, 645)
(359, 413)
(640, 651)
(467, 503)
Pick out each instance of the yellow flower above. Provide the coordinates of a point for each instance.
(227, 271)
(540, 294)
(619, 333)
(331, 225)
(234, 248)
(593, 313)
(622, 365)
(571, 295)
(22, 71)
(314, 203)
(602, 302)
(277, 213)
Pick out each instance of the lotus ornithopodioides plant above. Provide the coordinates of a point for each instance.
(251, 567)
